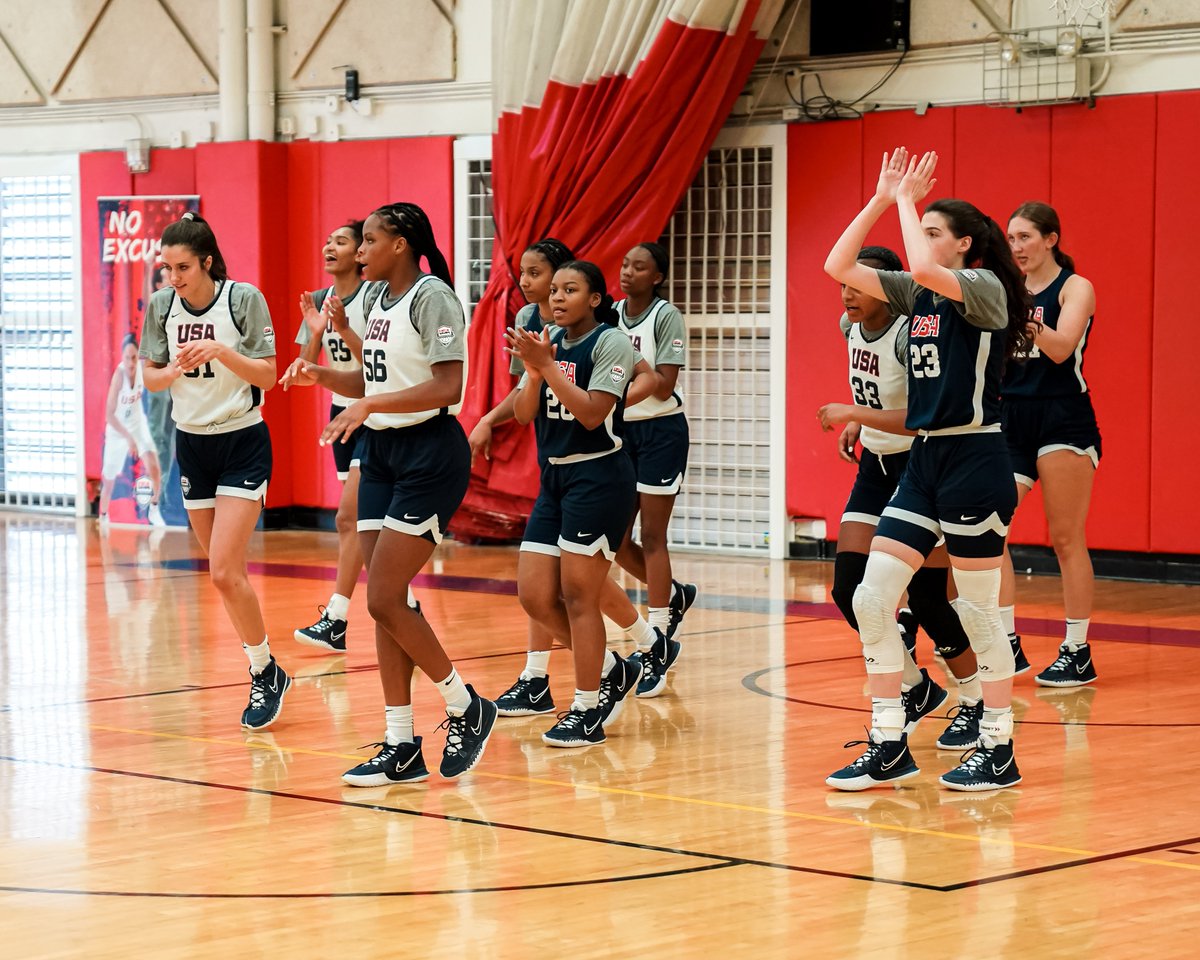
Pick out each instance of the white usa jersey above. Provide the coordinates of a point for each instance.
(658, 336)
(129, 402)
(338, 354)
(404, 340)
(879, 379)
(212, 398)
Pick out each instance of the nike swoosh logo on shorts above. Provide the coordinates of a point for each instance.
(411, 517)
(968, 519)
(249, 483)
(582, 534)
(666, 480)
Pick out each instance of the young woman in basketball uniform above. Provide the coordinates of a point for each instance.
(414, 467)
(334, 320)
(127, 432)
(968, 308)
(657, 439)
(209, 340)
(574, 383)
(1051, 431)
(877, 341)
(530, 694)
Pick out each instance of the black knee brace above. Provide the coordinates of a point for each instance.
(928, 602)
(848, 569)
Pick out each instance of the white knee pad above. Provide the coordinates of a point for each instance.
(978, 608)
(875, 603)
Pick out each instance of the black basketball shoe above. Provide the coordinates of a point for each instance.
(655, 663)
(326, 633)
(527, 697)
(576, 728)
(466, 736)
(990, 766)
(921, 701)
(394, 763)
(883, 762)
(1073, 668)
(266, 697)
(682, 597)
(1021, 662)
(963, 732)
(620, 681)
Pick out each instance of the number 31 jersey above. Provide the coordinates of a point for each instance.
(405, 338)
(879, 378)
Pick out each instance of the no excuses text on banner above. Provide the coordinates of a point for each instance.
(132, 430)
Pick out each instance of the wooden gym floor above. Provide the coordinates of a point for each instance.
(137, 819)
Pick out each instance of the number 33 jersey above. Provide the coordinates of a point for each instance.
(955, 351)
(879, 377)
(405, 338)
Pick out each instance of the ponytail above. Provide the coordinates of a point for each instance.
(1045, 220)
(989, 251)
(606, 312)
(409, 221)
(192, 231)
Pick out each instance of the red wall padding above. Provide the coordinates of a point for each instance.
(1174, 454)
(1120, 175)
(272, 206)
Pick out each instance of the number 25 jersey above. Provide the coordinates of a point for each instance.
(405, 338)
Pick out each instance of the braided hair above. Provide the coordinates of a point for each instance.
(555, 252)
(409, 221)
(192, 231)
(606, 312)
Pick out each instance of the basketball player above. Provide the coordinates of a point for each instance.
(127, 433)
(574, 383)
(1051, 431)
(877, 341)
(209, 340)
(334, 320)
(968, 307)
(414, 466)
(657, 439)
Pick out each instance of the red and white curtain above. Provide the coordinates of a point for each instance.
(605, 110)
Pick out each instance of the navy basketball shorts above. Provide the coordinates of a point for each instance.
(959, 487)
(582, 507)
(412, 479)
(1035, 427)
(345, 455)
(234, 464)
(874, 485)
(658, 449)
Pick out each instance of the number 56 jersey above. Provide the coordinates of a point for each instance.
(955, 351)
(405, 338)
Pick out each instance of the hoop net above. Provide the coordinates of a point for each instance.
(1080, 12)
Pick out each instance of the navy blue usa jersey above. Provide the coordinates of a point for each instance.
(1032, 373)
(955, 350)
(602, 359)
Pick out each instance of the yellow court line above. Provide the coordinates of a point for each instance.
(670, 798)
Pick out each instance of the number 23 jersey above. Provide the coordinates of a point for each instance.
(405, 338)
(955, 350)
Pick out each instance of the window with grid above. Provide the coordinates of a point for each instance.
(38, 414)
(480, 228)
(719, 241)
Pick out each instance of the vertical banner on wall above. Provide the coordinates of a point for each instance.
(139, 482)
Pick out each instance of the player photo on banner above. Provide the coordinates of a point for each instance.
(139, 478)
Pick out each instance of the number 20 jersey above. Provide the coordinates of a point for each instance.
(879, 379)
(403, 341)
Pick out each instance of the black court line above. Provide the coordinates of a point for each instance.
(346, 895)
(750, 682)
(1067, 865)
(721, 860)
(1190, 853)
